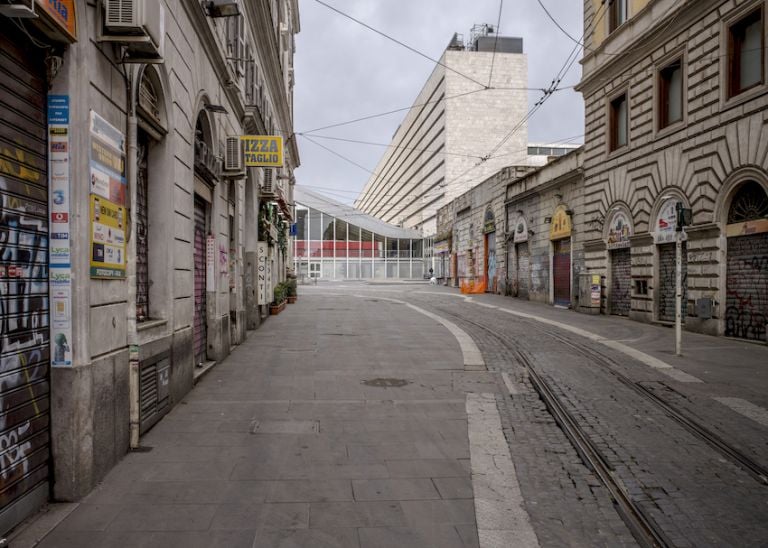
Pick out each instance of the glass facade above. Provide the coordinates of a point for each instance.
(332, 248)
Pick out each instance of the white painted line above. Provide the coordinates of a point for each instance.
(473, 358)
(511, 385)
(746, 408)
(502, 520)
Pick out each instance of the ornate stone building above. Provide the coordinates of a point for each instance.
(676, 95)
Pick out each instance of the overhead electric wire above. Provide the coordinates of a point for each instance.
(402, 147)
(398, 42)
(496, 42)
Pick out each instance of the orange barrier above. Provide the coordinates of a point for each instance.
(472, 287)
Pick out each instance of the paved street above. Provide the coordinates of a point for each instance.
(375, 423)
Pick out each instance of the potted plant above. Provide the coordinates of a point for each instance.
(290, 290)
(278, 303)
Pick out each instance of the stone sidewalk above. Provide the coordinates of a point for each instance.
(285, 445)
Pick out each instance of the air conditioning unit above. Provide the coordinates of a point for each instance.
(139, 25)
(233, 157)
(22, 9)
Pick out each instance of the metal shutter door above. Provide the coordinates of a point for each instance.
(200, 325)
(667, 283)
(24, 313)
(523, 270)
(746, 298)
(621, 281)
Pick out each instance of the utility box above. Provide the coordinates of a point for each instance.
(704, 308)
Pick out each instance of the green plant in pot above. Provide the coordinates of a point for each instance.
(291, 292)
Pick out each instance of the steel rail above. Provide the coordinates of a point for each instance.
(642, 528)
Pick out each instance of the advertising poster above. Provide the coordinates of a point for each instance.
(59, 253)
(107, 176)
(107, 239)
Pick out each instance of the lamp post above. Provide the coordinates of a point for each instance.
(683, 219)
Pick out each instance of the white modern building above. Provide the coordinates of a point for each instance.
(467, 123)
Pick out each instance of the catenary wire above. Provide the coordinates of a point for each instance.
(496, 42)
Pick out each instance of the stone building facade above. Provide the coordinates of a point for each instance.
(128, 243)
(435, 155)
(676, 96)
(517, 234)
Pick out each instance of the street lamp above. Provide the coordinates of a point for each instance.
(683, 218)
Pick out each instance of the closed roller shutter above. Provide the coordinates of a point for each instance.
(523, 270)
(24, 342)
(621, 282)
(667, 283)
(746, 314)
(561, 269)
(200, 324)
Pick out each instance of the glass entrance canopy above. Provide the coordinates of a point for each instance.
(336, 241)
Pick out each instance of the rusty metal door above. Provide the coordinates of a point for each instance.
(561, 272)
(621, 281)
(24, 312)
(200, 313)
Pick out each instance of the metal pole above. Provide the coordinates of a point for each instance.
(678, 293)
(133, 337)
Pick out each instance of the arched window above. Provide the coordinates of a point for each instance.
(749, 203)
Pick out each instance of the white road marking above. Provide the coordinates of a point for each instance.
(746, 408)
(511, 385)
(473, 358)
(502, 520)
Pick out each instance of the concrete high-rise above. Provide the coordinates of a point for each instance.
(467, 122)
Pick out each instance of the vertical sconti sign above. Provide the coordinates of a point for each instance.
(59, 255)
(107, 201)
(261, 272)
(210, 264)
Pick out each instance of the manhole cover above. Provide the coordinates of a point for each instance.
(386, 383)
(286, 427)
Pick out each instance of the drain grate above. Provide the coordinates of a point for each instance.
(387, 383)
(285, 427)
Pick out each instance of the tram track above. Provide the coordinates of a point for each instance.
(642, 526)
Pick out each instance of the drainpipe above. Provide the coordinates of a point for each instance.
(133, 335)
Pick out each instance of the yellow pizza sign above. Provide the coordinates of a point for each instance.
(263, 150)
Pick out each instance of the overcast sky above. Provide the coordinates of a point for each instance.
(345, 71)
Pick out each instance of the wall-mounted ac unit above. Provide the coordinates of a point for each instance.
(233, 157)
(268, 189)
(19, 8)
(139, 25)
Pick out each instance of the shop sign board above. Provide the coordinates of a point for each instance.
(107, 239)
(619, 231)
(666, 223)
(441, 247)
(59, 253)
(561, 224)
(210, 264)
(261, 272)
(263, 150)
(595, 290)
(62, 15)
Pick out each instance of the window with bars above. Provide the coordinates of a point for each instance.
(746, 53)
(142, 229)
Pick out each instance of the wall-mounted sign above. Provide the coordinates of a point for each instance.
(561, 224)
(666, 223)
(263, 150)
(62, 15)
(746, 228)
(619, 231)
(520, 230)
(262, 267)
(107, 239)
(595, 290)
(59, 252)
(442, 247)
(210, 264)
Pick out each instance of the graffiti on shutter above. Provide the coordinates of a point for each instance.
(667, 283)
(621, 281)
(523, 269)
(200, 312)
(142, 232)
(746, 314)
